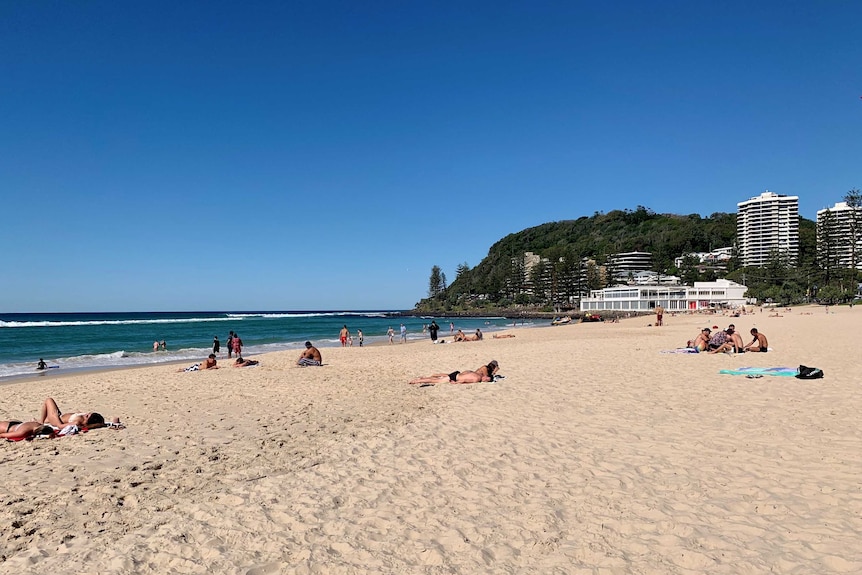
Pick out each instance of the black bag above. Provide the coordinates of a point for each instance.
(809, 372)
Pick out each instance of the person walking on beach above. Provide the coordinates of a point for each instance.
(432, 329)
(216, 345)
(360, 337)
(345, 333)
(310, 357)
(230, 344)
(403, 333)
(237, 345)
(391, 334)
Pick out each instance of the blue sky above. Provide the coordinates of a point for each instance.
(325, 155)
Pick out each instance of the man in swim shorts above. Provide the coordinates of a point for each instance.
(759, 343)
(310, 357)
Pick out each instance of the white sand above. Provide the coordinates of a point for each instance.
(597, 454)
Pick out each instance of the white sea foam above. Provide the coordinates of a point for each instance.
(11, 324)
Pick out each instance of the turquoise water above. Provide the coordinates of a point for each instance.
(105, 340)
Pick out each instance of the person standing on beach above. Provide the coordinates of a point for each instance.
(216, 345)
(230, 344)
(403, 333)
(659, 315)
(360, 337)
(451, 327)
(432, 329)
(391, 334)
(237, 345)
(345, 333)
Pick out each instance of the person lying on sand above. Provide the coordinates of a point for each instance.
(502, 335)
(240, 362)
(16, 430)
(483, 373)
(50, 413)
(210, 363)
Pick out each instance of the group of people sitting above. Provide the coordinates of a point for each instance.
(53, 422)
(728, 340)
(309, 357)
(461, 336)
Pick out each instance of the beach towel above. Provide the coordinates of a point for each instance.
(755, 371)
(681, 350)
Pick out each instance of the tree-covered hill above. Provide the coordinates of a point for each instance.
(565, 245)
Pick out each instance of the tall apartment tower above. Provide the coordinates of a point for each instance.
(842, 217)
(767, 224)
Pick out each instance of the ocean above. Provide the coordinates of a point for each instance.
(88, 341)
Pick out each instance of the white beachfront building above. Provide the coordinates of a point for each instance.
(703, 295)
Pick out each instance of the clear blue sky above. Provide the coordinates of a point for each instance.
(325, 155)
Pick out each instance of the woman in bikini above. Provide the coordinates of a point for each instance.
(484, 373)
(16, 430)
(50, 413)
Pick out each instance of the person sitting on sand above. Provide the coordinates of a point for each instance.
(478, 336)
(240, 362)
(460, 336)
(759, 343)
(738, 344)
(701, 342)
(483, 373)
(49, 412)
(210, 363)
(310, 357)
(16, 430)
(718, 339)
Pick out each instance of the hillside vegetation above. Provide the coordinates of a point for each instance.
(577, 250)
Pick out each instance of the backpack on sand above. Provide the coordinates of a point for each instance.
(809, 372)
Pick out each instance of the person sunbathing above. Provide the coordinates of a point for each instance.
(483, 373)
(17, 430)
(50, 413)
(240, 362)
(210, 363)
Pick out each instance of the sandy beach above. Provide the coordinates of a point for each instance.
(597, 454)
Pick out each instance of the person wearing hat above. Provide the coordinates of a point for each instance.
(311, 356)
(701, 342)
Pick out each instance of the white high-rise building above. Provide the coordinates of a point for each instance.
(842, 216)
(767, 224)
